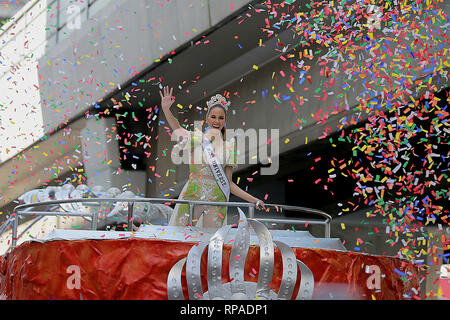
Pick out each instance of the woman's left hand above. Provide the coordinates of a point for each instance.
(260, 205)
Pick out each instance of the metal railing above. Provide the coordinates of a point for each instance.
(24, 210)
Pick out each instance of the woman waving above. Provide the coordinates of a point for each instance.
(210, 177)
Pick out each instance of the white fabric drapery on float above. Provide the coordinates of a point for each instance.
(111, 213)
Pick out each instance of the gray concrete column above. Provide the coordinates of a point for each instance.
(101, 161)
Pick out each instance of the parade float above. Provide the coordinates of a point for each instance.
(150, 260)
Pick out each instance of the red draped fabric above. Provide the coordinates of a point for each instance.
(138, 269)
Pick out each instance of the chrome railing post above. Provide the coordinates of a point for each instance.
(327, 229)
(130, 216)
(95, 219)
(191, 213)
(251, 212)
(14, 231)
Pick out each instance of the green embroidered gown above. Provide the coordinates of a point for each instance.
(202, 185)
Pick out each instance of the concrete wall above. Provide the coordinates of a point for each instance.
(122, 35)
(120, 39)
(255, 108)
(100, 151)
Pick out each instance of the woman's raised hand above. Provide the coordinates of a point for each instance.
(166, 98)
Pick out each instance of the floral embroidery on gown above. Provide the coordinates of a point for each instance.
(201, 185)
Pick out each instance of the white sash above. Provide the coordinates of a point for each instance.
(216, 168)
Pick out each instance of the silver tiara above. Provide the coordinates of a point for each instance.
(218, 99)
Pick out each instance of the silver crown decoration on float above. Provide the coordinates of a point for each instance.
(238, 288)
